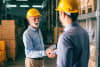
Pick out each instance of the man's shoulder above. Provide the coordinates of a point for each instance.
(27, 32)
(65, 35)
(75, 31)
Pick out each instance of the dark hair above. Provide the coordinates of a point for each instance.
(73, 16)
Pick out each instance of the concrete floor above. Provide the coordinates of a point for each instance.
(20, 63)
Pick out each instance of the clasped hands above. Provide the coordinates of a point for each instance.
(50, 53)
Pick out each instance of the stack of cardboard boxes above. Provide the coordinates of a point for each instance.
(7, 33)
(2, 51)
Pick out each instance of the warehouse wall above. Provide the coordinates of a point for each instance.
(90, 26)
(87, 6)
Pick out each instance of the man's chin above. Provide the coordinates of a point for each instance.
(35, 26)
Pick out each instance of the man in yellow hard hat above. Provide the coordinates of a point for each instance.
(73, 45)
(33, 41)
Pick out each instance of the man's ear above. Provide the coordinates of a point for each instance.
(64, 14)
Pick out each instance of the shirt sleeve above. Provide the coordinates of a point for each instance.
(55, 52)
(27, 42)
(65, 52)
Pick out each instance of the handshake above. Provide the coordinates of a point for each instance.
(50, 53)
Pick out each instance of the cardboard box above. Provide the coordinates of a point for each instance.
(7, 33)
(11, 53)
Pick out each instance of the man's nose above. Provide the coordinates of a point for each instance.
(37, 20)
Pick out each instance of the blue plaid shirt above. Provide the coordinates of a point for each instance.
(33, 42)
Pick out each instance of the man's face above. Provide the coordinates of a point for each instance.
(34, 21)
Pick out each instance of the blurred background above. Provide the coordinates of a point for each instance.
(13, 23)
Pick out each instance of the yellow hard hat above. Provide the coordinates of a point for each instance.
(33, 12)
(70, 6)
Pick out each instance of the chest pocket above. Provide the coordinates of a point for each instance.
(36, 40)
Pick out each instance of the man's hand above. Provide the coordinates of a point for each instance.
(50, 53)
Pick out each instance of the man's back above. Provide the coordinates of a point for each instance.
(73, 47)
(80, 43)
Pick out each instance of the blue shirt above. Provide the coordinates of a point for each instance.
(33, 42)
(73, 47)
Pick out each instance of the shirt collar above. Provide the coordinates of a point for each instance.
(70, 25)
(67, 27)
(33, 29)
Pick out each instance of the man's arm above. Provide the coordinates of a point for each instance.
(65, 52)
(67, 57)
(29, 46)
(27, 41)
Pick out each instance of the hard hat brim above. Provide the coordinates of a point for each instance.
(75, 11)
